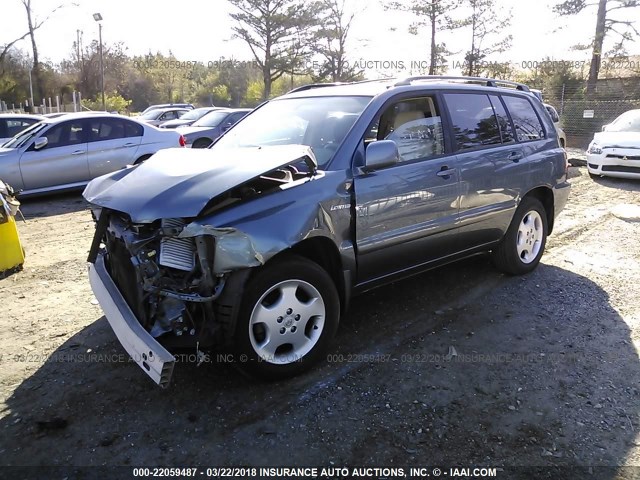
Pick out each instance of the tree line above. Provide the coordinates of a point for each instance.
(292, 42)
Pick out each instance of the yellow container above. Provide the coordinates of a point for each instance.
(11, 252)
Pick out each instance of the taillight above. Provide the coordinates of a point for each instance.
(183, 141)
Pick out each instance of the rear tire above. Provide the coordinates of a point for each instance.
(290, 312)
(201, 143)
(522, 247)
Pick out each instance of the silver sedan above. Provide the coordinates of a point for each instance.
(67, 152)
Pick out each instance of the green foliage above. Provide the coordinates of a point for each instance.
(113, 102)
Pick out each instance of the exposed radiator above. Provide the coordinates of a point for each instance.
(177, 253)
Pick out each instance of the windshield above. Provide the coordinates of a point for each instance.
(195, 114)
(318, 122)
(151, 114)
(627, 122)
(24, 136)
(212, 119)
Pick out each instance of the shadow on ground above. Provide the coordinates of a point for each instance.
(542, 372)
(52, 205)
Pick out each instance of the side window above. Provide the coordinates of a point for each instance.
(474, 121)
(234, 118)
(106, 129)
(525, 119)
(66, 133)
(171, 115)
(16, 126)
(3, 129)
(415, 125)
(132, 129)
(506, 132)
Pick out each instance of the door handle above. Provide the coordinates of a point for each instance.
(445, 172)
(515, 156)
(78, 152)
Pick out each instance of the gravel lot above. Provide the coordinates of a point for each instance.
(459, 366)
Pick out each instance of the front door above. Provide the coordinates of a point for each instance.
(63, 161)
(406, 214)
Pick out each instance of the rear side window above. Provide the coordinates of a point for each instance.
(474, 121)
(132, 129)
(106, 129)
(525, 119)
(506, 132)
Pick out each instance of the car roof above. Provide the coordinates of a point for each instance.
(83, 115)
(373, 88)
(21, 115)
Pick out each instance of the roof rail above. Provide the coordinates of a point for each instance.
(314, 85)
(489, 82)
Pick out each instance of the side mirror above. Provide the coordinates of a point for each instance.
(40, 143)
(227, 126)
(380, 154)
(604, 128)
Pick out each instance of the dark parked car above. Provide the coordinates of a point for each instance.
(259, 242)
(188, 118)
(202, 133)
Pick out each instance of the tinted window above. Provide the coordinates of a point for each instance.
(506, 132)
(132, 129)
(474, 122)
(525, 119)
(235, 117)
(16, 126)
(66, 133)
(106, 129)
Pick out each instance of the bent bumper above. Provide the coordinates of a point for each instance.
(152, 357)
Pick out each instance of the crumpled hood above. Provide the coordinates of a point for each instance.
(618, 139)
(178, 182)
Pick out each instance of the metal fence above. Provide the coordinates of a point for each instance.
(581, 118)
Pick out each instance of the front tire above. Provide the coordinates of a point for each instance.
(522, 247)
(290, 312)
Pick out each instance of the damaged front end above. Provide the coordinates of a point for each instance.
(158, 281)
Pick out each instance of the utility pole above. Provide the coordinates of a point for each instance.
(98, 18)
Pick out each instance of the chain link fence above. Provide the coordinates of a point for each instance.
(581, 118)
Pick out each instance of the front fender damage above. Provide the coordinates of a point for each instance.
(234, 249)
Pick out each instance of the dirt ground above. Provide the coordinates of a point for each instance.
(458, 366)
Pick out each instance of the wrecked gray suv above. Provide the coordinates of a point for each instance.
(258, 243)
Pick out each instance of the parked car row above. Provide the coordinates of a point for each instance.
(67, 152)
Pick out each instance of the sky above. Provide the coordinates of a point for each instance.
(200, 30)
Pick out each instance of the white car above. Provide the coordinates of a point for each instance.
(562, 137)
(67, 152)
(615, 152)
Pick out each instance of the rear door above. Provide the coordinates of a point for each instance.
(406, 214)
(113, 143)
(490, 162)
(62, 161)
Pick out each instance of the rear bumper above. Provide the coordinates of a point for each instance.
(560, 197)
(152, 357)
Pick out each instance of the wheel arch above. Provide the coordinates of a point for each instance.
(323, 251)
(142, 158)
(545, 195)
